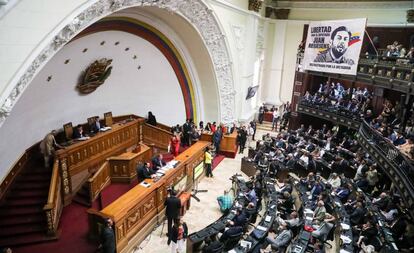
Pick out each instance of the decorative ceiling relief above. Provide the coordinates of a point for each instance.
(195, 11)
(95, 75)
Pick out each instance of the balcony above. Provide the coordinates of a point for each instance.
(389, 73)
(397, 167)
(336, 116)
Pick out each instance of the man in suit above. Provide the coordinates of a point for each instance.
(240, 219)
(172, 211)
(157, 162)
(357, 215)
(217, 136)
(78, 132)
(282, 239)
(145, 172)
(108, 237)
(231, 232)
(186, 132)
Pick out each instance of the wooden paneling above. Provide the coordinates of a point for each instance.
(54, 205)
(123, 167)
(90, 154)
(99, 181)
(135, 209)
(156, 137)
(227, 145)
(15, 170)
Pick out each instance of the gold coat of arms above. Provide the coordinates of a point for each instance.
(95, 75)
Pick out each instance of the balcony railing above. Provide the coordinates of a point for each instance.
(341, 117)
(390, 73)
(398, 167)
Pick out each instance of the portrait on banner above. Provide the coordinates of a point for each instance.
(334, 46)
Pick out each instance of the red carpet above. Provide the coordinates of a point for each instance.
(217, 160)
(74, 222)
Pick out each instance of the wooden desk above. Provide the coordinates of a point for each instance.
(123, 167)
(228, 145)
(88, 155)
(137, 212)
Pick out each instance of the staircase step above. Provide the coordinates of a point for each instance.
(19, 240)
(30, 186)
(22, 219)
(33, 178)
(41, 172)
(24, 193)
(23, 229)
(17, 211)
(25, 202)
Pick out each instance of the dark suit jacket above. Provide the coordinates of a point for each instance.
(144, 173)
(157, 163)
(108, 240)
(231, 232)
(173, 205)
(357, 216)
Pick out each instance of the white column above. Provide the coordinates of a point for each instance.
(273, 84)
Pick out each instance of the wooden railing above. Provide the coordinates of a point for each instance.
(99, 181)
(397, 167)
(155, 136)
(54, 205)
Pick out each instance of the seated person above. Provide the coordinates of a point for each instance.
(157, 162)
(319, 212)
(309, 181)
(211, 246)
(343, 192)
(240, 219)
(225, 202)
(325, 227)
(382, 202)
(357, 216)
(334, 180)
(286, 202)
(251, 212)
(368, 234)
(231, 232)
(95, 126)
(292, 221)
(78, 132)
(145, 172)
(251, 196)
(282, 239)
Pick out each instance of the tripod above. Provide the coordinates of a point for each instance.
(196, 191)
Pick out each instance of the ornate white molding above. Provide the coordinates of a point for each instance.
(238, 34)
(260, 40)
(195, 11)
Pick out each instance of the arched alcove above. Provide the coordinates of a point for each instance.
(46, 105)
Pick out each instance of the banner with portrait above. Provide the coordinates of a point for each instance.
(334, 46)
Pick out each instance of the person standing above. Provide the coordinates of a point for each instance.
(253, 126)
(47, 147)
(261, 114)
(151, 119)
(186, 132)
(217, 136)
(241, 139)
(175, 144)
(276, 117)
(172, 211)
(179, 234)
(108, 237)
(208, 158)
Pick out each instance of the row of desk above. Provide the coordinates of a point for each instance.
(195, 240)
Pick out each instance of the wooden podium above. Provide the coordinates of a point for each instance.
(228, 145)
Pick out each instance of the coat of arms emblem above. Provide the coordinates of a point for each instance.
(95, 75)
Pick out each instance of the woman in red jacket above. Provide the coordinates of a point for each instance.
(175, 144)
